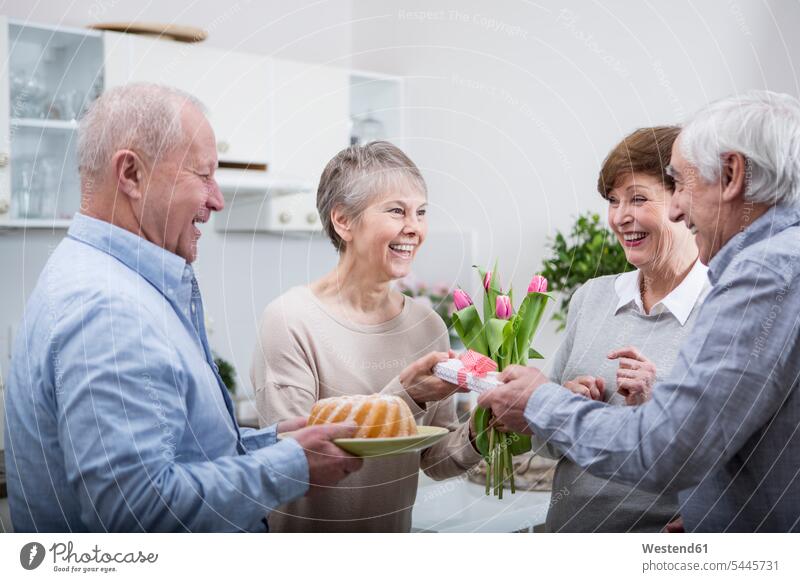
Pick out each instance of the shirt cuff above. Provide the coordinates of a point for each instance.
(395, 388)
(253, 439)
(538, 410)
(285, 469)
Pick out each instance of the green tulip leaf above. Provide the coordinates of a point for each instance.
(469, 327)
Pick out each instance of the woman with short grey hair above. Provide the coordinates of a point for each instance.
(351, 332)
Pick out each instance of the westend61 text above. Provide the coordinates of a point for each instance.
(675, 549)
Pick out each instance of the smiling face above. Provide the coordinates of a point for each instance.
(638, 208)
(182, 191)
(698, 204)
(387, 235)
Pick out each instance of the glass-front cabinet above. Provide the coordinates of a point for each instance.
(274, 119)
(50, 77)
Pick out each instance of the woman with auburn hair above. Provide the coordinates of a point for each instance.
(624, 331)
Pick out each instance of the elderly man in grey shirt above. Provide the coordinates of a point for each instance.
(724, 427)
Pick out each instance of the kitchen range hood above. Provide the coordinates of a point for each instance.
(256, 202)
(234, 182)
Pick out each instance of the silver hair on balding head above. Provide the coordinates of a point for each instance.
(142, 117)
(762, 126)
(359, 175)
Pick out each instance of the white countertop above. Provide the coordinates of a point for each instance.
(458, 505)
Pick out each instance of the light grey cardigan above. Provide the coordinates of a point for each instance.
(595, 327)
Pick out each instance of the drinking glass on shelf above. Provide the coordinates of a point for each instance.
(45, 186)
(39, 97)
(70, 105)
(27, 201)
(28, 95)
(20, 103)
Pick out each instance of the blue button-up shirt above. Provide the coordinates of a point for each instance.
(116, 417)
(728, 417)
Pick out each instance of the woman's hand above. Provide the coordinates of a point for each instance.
(635, 375)
(589, 386)
(292, 424)
(420, 383)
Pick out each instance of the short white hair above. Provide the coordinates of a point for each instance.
(357, 175)
(143, 117)
(762, 126)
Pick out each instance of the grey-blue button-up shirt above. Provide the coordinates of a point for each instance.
(727, 420)
(116, 417)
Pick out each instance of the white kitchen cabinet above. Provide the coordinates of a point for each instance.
(314, 110)
(310, 117)
(51, 75)
(5, 149)
(376, 107)
(116, 58)
(235, 87)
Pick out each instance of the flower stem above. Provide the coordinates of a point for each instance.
(500, 467)
(489, 473)
(510, 468)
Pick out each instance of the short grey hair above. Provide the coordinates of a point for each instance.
(762, 126)
(357, 175)
(143, 117)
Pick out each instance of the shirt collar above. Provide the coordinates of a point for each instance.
(166, 271)
(679, 302)
(775, 220)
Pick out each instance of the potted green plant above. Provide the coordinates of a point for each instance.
(589, 250)
(227, 373)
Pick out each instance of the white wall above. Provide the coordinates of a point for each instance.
(510, 109)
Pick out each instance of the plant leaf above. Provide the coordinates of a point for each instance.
(588, 250)
(469, 328)
(531, 313)
(495, 337)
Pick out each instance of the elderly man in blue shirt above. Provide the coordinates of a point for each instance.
(117, 419)
(724, 428)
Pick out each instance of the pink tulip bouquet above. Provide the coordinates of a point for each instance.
(504, 336)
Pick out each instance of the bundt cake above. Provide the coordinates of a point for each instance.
(377, 415)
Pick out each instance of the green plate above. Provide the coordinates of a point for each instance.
(426, 436)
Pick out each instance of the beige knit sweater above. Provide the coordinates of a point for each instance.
(306, 353)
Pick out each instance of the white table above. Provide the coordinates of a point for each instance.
(458, 505)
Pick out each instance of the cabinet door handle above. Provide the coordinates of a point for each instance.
(3, 206)
(3, 160)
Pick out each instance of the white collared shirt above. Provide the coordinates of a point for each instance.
(679, 302)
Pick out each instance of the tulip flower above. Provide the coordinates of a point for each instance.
(461, 300)
(538, 285)
(487, 280)
(503, 307)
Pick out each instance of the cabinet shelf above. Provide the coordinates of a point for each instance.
(44, 123)
(37, 223)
